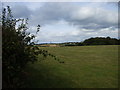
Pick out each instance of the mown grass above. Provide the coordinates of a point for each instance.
(84, 67)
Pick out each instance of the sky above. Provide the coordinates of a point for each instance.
(68, 21)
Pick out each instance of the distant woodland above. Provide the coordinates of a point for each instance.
(90, 41)
(95, 41)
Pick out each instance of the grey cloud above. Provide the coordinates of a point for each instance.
(21, 11)
(98, 19)
(51, 13)
(80, 16)
(77, 15)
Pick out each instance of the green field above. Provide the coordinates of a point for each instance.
(84, 67)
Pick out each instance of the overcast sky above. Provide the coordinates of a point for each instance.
(68, 21)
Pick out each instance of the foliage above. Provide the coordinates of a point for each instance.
(95, 41)
(18, 49)
(101, 41)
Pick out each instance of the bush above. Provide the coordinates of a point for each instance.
(18, 49)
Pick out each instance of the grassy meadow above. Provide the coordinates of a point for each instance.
(84, 67)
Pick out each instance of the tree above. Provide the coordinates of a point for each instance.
(101, 41)
(18, 49)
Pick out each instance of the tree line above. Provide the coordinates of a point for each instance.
(95, 41)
